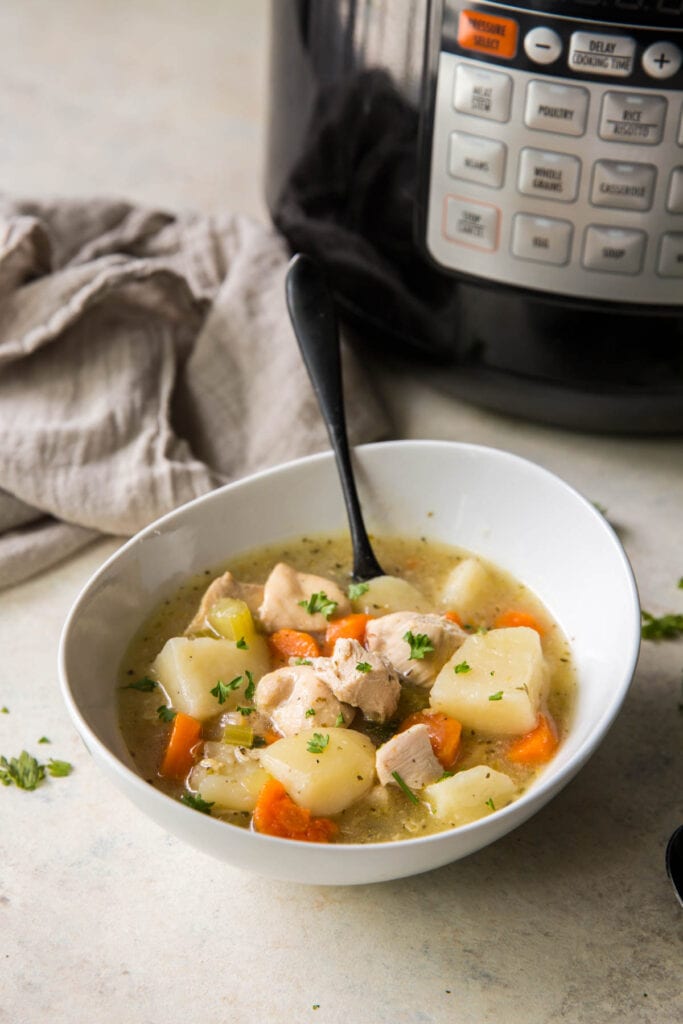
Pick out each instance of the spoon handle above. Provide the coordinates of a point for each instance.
(311, 310)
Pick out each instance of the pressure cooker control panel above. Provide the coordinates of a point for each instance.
(557, 152)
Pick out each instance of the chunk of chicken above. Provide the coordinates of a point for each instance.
(285, 593)
(296, 698)
(409, 754)
(386, 636)
(364, 679)
(225, 586)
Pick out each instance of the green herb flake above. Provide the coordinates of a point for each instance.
(363, 666)
(319, 602)
(221, 690)
(402, 784)
(165, 713)
(4, 710)
(317, 743)
(303, 661)
(310, 712)
(490, 803)
(420, 645)
(462, 667)
(356, 590)
(44, 739)
(23, 771)
(194, 801)
(667, 627)
(496, 696)
(144, 685)
(245, 710)
(250, 687)
(339, 721)
(680, 583)
(59, 769)
(242, 644)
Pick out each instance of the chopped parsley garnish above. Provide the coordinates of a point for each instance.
(363, 666)
(59, 769)
(4, 710)
(242, 644)
(317, 743)
(490, 803)
(462, 667)
(319, 602)
(356, 590)
(496, 696)
(303, 661)
(405, 787)
(420, 644)
(144, 685)
(339, 721)
(447, 775)
(221, 689)
(194, 801)
(668, 627)
(310, 712)
(23, 771)
(250, 687)
(165, 713)
(44, 739)
(680, 583)
(245, 711)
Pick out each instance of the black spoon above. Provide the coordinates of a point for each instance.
(674, 862)
(311, 310)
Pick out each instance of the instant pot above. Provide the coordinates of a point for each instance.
(496, 193)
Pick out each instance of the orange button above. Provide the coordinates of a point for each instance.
(485, 33)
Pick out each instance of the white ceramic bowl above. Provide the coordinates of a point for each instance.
(518, 515)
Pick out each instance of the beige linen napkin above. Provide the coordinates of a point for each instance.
(145, 358)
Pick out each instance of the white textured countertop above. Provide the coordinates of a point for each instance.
(103, 917)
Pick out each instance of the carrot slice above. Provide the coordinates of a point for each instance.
(178, 758)
(276, 814)
(453, 617)
(537, 746)
(514, 618)
(291, 643)
(444, 734)
(350, 627)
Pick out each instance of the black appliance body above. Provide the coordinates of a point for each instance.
(496, 192)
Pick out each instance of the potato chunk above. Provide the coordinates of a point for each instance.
(500, 682)
(465, 589)
(188, 669)
(325, 780)
(469, 795)
(387, 594)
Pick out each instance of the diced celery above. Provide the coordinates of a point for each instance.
(239, 735)
(231, 619)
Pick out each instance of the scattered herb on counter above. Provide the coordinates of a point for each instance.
(420, 645)
(4, 710)
(356, 590)
(44, 739)
(462, 667)
(317, 743)
(680, 583)
(24, 771)
(59, 769)
(144, 685)
(319, 602)
(666, 627)
(165, 713)
(405, 787)
(194, 801)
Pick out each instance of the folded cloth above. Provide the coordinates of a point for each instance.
(145, 359)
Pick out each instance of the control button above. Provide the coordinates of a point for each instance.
(670, 262)
(474, 158)
(632, 118)
(548, 175)
(661, 60)
(623, 186)
(674, 202)
(471, 223)
(482, 93)
(541, 239)
(598, 54)
(614, 250)
(542, 45)
(487, 33)
(561, 109)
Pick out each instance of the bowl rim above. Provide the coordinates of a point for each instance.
(520, 809)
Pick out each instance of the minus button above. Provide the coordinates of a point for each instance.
(542, 45)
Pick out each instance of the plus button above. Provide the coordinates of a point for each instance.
(661, 60)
